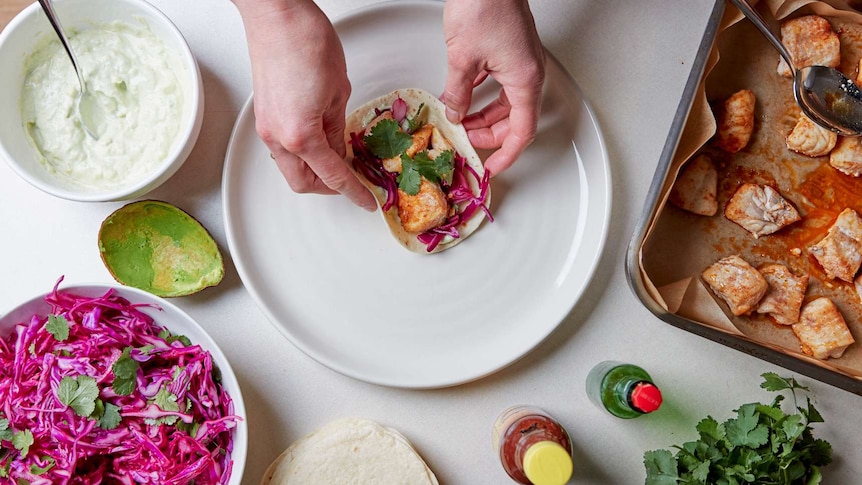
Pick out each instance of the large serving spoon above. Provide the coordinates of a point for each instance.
(824, 94)
(88, 107)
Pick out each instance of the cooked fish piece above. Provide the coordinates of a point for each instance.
(425, 210)
(421, 137)
(783, 299)
(811, 139)
(439, 143)
(386, 115)
(738, 283)
(840, 252)
(822, 331)
(735, 119)
(811, 42)
(760, 209)
(696, 187)
(847, 155)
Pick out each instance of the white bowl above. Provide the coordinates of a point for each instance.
(170, 317)
(28, 30)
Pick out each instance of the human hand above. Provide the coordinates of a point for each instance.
(496, 38)
(300, 95)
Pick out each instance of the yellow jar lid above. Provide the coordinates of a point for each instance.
(547, 463)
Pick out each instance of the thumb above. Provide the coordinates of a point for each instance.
(459, 87)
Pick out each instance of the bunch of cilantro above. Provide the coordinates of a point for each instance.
(386, 140)
(762, 445)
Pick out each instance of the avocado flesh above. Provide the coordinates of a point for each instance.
(159, 248)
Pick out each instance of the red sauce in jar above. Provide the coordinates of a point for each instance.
(520, 427)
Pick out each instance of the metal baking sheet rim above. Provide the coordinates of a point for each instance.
(651, 208)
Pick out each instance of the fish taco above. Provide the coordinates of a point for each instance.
(429, 181)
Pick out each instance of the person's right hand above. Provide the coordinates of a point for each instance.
(496, 38)
(300, 95)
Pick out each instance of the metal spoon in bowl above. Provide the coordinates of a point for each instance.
(88, 107)
(824, 94)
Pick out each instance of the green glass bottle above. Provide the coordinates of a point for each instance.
(624, 390)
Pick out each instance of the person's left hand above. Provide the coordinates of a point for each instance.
(496, 38)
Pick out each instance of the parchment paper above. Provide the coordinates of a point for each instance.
(680, 245)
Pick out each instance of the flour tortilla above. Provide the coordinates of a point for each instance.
(434, 113)
(350, 452)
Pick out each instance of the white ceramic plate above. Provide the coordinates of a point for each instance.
(330, 277)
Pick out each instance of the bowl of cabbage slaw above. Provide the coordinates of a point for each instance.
(102, 383)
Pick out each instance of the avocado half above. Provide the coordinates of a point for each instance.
(157, 247)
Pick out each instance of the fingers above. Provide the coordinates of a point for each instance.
(487, 116)
(502, 159)
(522, 123)
(488, 137)
(460, 78)
(332, 170)
(509, 126)
(310, 164)
(299, 175)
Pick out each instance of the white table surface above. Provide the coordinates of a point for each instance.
(631, 59)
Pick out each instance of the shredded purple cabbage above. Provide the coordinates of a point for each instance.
(459, 191)
(149, 444)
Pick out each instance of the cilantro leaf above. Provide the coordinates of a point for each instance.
(415, 122)
(761, 444)
(661, 468)
(111, 417)
(709, 427)
(812, 413)
(125, 373)
(439, 168)
(745, 430)
(166, 401)
(58, 326)
(422, 165)
(22, 441)
(79, 393)
(386, 140)
(37, 470)
(190, 428)
(774, 382)
(169, 338)
(5, 432)
(409, 179)
(125, 367)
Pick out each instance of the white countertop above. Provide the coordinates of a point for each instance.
(631, 59)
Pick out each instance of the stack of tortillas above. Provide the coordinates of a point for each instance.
(350, 451)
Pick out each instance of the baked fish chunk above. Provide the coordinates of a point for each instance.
(783, 299)
(810, 41)
(736, 282)
(760, 209)
(735, 120)
(811, 139)
(424, 210)
(696, 188)
(846, 157)
(840, 252)
(822, 331)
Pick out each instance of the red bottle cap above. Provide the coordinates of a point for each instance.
(646, 397)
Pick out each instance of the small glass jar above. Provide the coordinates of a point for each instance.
(533, 447)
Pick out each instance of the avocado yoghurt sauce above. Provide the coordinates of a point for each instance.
(140, 105)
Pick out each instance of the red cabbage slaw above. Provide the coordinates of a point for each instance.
(191, 441)
(458, 192)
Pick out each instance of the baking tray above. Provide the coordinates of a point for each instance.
(653, 207)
